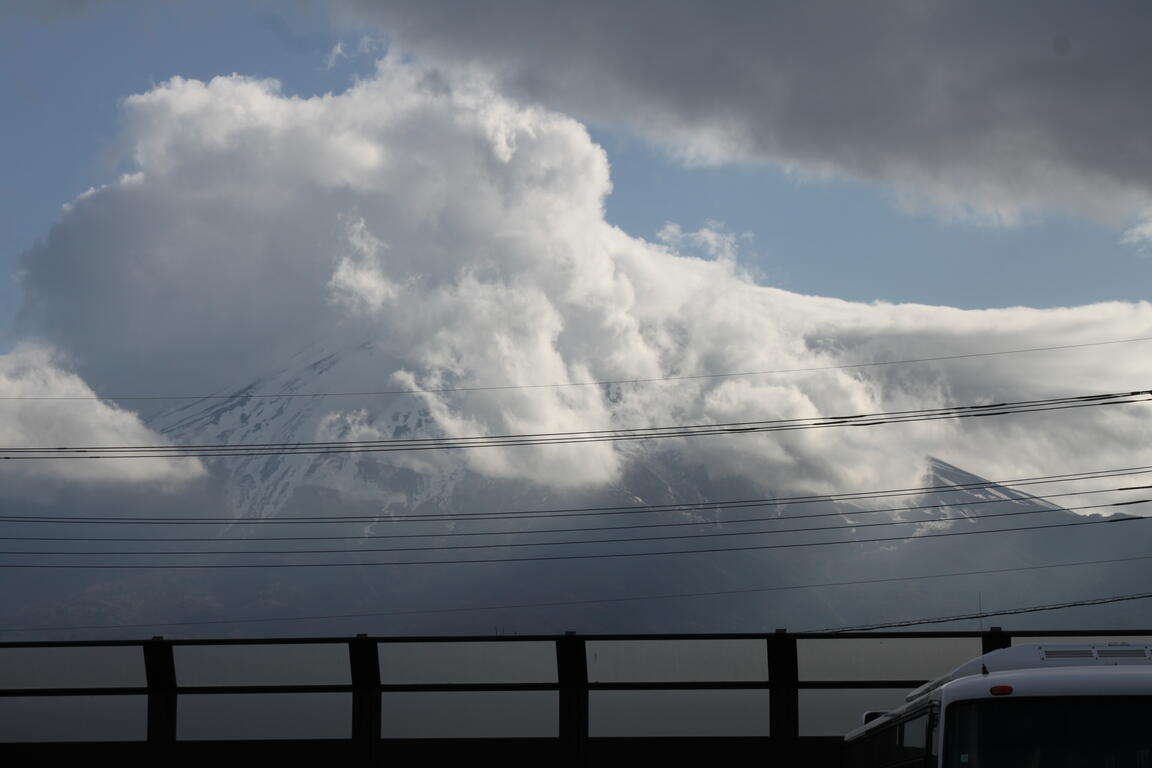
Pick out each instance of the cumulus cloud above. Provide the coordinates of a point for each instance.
(987, 111)
(463, 233)
(359, 281)
(35, 372)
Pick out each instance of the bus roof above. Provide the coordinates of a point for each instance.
(1044, 656)
(1036, 669)
(1112, 680)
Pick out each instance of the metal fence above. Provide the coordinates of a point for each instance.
(569, 700)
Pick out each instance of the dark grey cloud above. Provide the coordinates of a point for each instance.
(991, 110)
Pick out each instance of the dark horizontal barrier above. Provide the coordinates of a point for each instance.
(556, 700)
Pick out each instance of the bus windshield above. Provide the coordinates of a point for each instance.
(1050, 732)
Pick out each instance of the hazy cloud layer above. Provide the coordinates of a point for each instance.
(463, 233)
(983, 110)
(36, 373)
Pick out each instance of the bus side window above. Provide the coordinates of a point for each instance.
(894, 746)
(914, 740)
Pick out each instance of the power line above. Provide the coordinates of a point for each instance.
(915, 413)
(590, 601)
(597, 383)
(577, 437)
(570, 542)
(631, 526)
(782, 501)
(988, 614)
(551, 558)
(637, 509)
(715, 506)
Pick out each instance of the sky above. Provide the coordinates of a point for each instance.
(448, 196)
(831, 235)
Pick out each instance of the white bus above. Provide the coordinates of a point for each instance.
(1084, 705)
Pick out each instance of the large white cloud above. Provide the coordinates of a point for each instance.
(43, 405)
(981, 109)
(463, 233)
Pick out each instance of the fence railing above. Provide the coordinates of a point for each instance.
(569, 699)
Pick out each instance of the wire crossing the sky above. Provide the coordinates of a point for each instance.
(990, 614)
(541, 558)
(590, 601)
(598, 383)
(680, 507)
(846, 526)
(581, 529)
(580, 436)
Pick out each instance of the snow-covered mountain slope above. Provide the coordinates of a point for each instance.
(758, 569)
(291, 408)
(293, 405)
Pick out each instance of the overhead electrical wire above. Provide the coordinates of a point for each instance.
(575, 437)
(631, 526)
(779, 501)
(990, 614)
(635, 509)
(570, 542)
(597, 383)
(588, 601)
(803, 422)
(549, 558)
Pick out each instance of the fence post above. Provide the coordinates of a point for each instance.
(364, 661)
(572, 678)
(160, 673)
(784, 701)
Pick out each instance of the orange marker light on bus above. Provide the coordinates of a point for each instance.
(1000, 690)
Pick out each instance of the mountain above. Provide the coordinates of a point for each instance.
(553, 559)
(385, 491)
